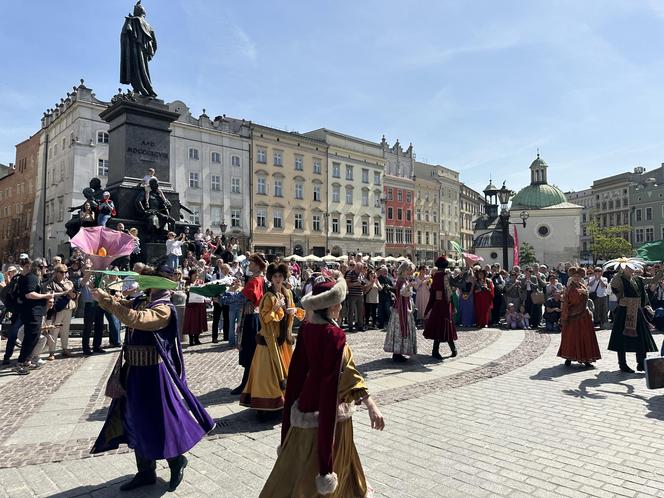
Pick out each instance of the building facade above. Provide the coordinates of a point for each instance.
(471, 207)
(355, 202)
(288, 192)
(585, 199)
(17, 198)
(647, 204)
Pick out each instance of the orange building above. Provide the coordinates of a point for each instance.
(17, 198)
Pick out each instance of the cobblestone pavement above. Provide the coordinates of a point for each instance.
(504, 418)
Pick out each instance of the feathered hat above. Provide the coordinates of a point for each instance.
(622, 263)
(327, 291)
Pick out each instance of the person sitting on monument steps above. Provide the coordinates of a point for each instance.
(106, 209)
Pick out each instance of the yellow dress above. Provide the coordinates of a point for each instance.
(294, 472)
(269, 368)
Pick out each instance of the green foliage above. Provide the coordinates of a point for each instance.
(608, 243)
(526, 255)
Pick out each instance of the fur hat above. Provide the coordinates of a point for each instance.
(325, 294)
(274, 268)
(442, 263)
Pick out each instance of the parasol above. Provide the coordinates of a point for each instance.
(154, 282)
(329, 257)
(312, 258)
(208, 290)
(472, 259)
(651, 252)
(103, 245)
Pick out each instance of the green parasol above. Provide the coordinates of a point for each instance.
(651, 252)
(209, 290)
(117, 273)
(154, 282)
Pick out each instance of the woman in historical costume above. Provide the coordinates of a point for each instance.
(578, 341)
(249, 326)
(401, 336)
(439, 311)
(157, 415)
(630, 331)
(422, 283)
(483, 298)
(466, 287)
(274, 344)
(195, 313)
(317, 455)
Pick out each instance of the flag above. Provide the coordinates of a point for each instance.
(516, 248)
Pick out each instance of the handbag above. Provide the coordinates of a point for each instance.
(593, 295)
(654, 372)
(114, 388)
(537, 297)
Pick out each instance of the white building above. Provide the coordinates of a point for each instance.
(209, 167)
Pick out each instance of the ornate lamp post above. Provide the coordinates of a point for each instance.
(504, 196)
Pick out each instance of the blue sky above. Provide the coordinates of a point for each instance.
(476, 86)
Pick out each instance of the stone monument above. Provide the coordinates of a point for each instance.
(139, 140)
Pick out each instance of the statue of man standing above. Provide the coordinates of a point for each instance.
(138, 45)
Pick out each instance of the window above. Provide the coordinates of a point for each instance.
(435, 217)
(365, 227)
(365, 175)
(102, 167)
(215, 216)
(277, 158)
(399, 214)
(398, 236)
(349, 196)
(399, 196)
(195, 216)
(215, 157)
(377, 198)
(336, 170)
(193, 153)
(317, 192)
(317, 168)
(376, 177)
(235, 161)
(61, 209)
(434, 237)
(349, 172)
(261, 155)
(299, 163)
(389, 194)
(193, 179)
(277, 218)
(419, 237)
(278, 187)
(650, 234)
(299, 221)
(389, 235)
(260, 185)
(639, 215)
(408, 215)
(377, 228)
(365, 197)
(335, 225)
(261, 214)
(336, 193)
(215, 182)
(649, 214)
(102, 137)
(235, 185)
(409, 197)
(639, 235)
(389, 213)
(235, 218)
(426, 238)
(316, 222)
(584, 217)
(349, 225)
(299, 191)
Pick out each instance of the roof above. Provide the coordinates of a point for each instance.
(538, 196)
(492, 239)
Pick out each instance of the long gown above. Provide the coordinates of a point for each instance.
(483, 303)
(467, 304)
(269, 368)
(641, 341)
(318, 394)
(578, 341)
(401, 333)
(440, 323)
(422, 294)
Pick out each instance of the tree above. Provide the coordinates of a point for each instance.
(609, 242)
(527, 254)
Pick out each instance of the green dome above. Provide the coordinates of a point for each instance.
(538, 196)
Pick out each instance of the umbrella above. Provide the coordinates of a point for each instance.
(343, 258)
(651, 252)
(103, 245)
(208, 290)
(472, 259)
(390, 259)
(312, 258)
(154, 282)
(117, 273)
(329, 257)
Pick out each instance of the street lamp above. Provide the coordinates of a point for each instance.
(504, 195)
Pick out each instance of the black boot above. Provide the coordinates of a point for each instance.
(640, 362)
(399, 358)
(622, 362)
(436, 350)
(568, 363)
(177, 466)
(452, 348)
(141, 479)
(197, 340)
(240, 388)
(191, 340)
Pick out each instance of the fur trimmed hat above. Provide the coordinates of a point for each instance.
(326, 293)
(441, 263)
(258, 259)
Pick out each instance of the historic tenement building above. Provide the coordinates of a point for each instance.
(471, 207)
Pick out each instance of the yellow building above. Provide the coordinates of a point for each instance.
(427, 214)
(288, 192)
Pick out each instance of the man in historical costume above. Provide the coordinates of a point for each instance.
(138, 44)
(630, 331)
(439, 312)
(155, 207)
(249, 326)
(498, 289)
(317, 455)
(158, 416)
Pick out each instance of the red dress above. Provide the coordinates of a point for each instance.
(483, 303)
(578, 341)
(439, 326)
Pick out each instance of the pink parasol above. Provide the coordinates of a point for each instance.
(472, 259)
(103, 245)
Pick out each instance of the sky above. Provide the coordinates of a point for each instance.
(476, 86)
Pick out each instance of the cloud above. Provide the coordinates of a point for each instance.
(243, 43)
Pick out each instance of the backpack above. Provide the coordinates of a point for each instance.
(9, 294)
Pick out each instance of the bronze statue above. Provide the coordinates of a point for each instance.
(93, 194)
(155, 208)
(138, 45)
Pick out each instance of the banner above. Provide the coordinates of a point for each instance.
(516, 248)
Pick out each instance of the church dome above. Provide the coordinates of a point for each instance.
(538, 196)
(493, 238)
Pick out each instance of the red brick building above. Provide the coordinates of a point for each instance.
(17, 198)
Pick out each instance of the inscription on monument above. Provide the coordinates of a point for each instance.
(146, 152)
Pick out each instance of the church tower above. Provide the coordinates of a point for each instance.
(538, 171)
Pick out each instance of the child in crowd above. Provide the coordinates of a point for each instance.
(511, 317)
(146, 179)
(523, 318)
